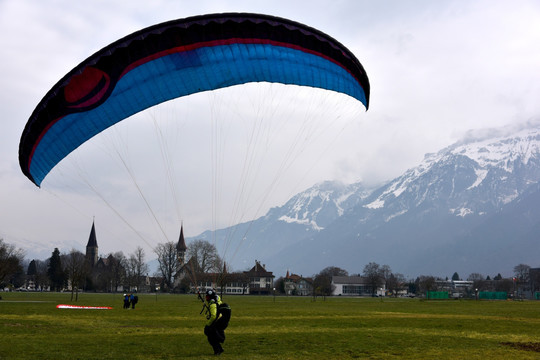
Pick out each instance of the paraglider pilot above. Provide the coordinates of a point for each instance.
(218, 319)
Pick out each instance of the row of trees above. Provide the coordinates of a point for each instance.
(73, 271)
(116, 270)
(378, 275)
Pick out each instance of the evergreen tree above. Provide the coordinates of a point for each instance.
(455, 277)
(55, 272)
(32, 269)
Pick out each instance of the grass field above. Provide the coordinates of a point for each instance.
(170, 327)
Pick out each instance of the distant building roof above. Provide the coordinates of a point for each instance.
(228, 278)
(297, 278)
(259, 270)
(348, 280)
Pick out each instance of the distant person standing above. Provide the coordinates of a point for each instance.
(134, 299)
(126, 301)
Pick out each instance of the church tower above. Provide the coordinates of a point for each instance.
(181, 268)
(92, 248)
(181, 249)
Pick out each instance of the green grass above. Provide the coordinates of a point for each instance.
(170, 327)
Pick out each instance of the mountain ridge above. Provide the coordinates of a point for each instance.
(436, 218)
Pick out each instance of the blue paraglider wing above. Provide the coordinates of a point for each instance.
(175, 59)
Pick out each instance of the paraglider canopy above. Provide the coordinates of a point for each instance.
(175, 59)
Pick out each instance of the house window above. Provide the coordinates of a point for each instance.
(352, 290)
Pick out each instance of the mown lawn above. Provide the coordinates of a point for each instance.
(170, 327)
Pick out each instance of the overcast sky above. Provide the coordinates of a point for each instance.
(437, 70)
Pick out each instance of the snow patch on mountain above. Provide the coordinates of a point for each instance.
(304, 221)
(461, 212)
(480, 176)
(510, 197)
(377, 204)
(390, 217)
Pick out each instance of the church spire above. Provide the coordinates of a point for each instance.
(181, 248)
(92, 247)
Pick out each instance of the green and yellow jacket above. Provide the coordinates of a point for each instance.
(212, 306)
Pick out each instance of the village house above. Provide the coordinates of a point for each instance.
(354, 286)
(225, 283)
(297, 285)
(256, 281)
(261, 282)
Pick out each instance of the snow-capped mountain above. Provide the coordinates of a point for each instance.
(474, 178)
(304, 215)
(467, 208)
(322, 204)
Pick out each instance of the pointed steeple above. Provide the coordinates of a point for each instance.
(181, 249)
(92, 241)
(92, 247)
(181, 246)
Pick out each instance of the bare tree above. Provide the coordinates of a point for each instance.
(505, 285)
(137, 267)
(374, 276)
(131, 277)
(522, 278)
(478, 280)
(386, 274)
(521, 272)
(204, 257)
(426, 283)
(76, 269)
(117, 267)
(395, 283)
(166, 253)
(11, 260)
